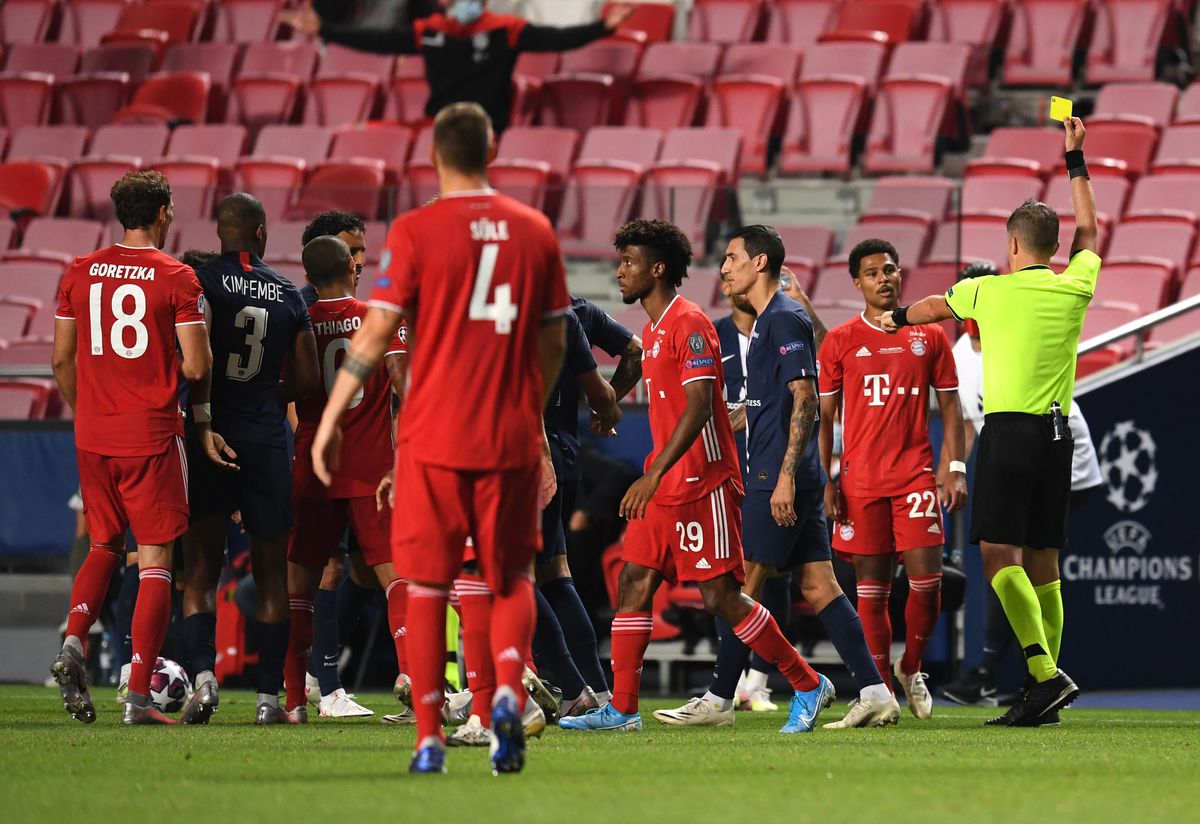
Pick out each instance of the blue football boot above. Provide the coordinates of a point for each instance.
(806, 706)
(605, 718)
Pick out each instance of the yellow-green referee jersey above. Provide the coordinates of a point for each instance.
(1029, 324)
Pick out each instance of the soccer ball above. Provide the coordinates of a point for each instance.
(169, 686)
(1127, 462)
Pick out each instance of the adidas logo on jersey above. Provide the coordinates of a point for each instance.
(863, 352)
(935, 529)
(703, 564)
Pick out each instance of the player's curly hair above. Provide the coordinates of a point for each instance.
(332, 223)
(978, 269)
(138, 196)
(197, 257)
(868, 247)
(663, 242)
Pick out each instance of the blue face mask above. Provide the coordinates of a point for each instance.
(466, 12)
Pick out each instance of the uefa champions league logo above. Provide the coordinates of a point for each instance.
(1127, 456)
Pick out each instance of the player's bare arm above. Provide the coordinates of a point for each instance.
(385, 493)
(397, 370)
(1083, 199)
(629, 369)
(835, 503)
(214, 446)
(602, 400)
(62, 358)
(737, 418)
(932, 309)
(952, 486)
(696, 414)
(804, 415)
(367, 348)
(305, 375)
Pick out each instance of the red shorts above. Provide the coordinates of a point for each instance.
(441, 507)
(146, 494)
(881, 526)
(696, 541)
(319, 523)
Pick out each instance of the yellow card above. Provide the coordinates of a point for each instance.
(1060, 108)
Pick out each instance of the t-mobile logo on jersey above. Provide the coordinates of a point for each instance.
(877, 387)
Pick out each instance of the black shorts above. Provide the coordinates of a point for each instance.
(785, 547)
(261, 490)
(1022, 483)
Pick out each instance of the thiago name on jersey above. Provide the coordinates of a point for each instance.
(120, 270)
(252, 288)
(337, 327)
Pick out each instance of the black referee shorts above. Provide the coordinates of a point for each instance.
(1022, 483)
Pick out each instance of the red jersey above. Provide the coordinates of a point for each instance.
(475, 273)
(126, 302)
(885, 382)
(367, 426)
(683, 347)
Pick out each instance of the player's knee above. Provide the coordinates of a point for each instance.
(636, 588)
(820, 589)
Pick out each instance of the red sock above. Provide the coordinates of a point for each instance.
(300, 641)
(426, 638)
(397, 605)
(454, 604)
(920, 616)
(760, 632)
(630, 637)
(90, 589)
(476, 601)
(513, 617)
(151, 617)
(877, 624)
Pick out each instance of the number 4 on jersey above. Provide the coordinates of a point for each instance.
(502, 311)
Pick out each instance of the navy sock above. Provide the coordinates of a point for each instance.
(323, 661)
(351, 598)
(777, 598)
(732, 656)
(200, 641)
(550, 649)
(997, 633)
(272, 649)
(126, 599)
(845, 630)
(578, 630)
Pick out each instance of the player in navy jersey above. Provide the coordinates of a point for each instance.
(265, 355)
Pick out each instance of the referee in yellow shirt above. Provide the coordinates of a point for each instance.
(1029, 323)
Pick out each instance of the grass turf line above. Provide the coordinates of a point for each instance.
(1101, 765)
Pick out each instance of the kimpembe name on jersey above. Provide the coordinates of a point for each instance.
(253, 288)
(120, 270)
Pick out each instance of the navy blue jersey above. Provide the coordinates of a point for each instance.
(781, 351)
(256, 315)
(309, 293)
(602, 331)
(562, 415)
(735, 376)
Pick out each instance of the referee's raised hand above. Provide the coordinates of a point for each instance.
(1075, 133)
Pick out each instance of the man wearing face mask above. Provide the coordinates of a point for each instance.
(469, 52)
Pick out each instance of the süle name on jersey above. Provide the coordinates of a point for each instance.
(489, 230)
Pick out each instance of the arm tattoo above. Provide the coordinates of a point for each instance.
(357, 367)
(804, 413)
(628, 373)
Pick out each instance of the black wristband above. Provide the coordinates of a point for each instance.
(1074, 159)
(900, 316)
(1078, 171)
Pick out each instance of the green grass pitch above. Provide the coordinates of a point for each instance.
(1099, 766)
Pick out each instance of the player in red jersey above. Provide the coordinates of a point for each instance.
(120, 312)
(322, 513)
(886, 503)
(685, 511)
(483, 275)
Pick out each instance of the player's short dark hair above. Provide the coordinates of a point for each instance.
(763, 240)
(138, 196)
(978, 269)
(462, 136)
(333, 222)
(325, 258)
(197, 257)
(242, 211)
(663, 241)
(1036, 226)
(868, 247)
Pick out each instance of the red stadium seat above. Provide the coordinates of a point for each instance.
(1097, 321)
(420, 183)
(523, 180)
(389, 142)
(67, 236)
(920, 200)
(655, 20)
(336, 100)
(1166, 240)
(22, 401)
(92, 180)
(1146, 102)
(1066, 238)
(137, 60)
(25, 99)
(409, 93)
(1111, 193)
(8, 231)
(695, 166)
(36, 280)
(1045, 37)
(272, 179)
(726, 21)
(1188, 109)
(861, 60)
(1145, 283)
(898, 21)
(26, 21)
(248, 21)
(951, 61)
(1020, 150)
(194, 181)
(977, 23)
(751, 104)
(833, 287)
(29, 186)
(998, 194)
(310, 143)
(801, 22)
(806, 245)
(1177, 151)
(287, 237)
(29, 352)
(263, 99)
(202, 234)
(153, 39)
(221, 141)
(918, 282)
(178, 19)
(577, 101)
(909, 239)
(92, 100)
(669, 88)
(979, 238)
(534, 65)
(144, 139)
(58, 59)
(85, 22)
(780, 61)
(552, 145)
(298, 58)
(822, 122)
(338, 60)
(174, 98)
(1126, 39)
(612, 55)
(1166, 197)
(61, 144)
(1184, 325)
(905, 127)
(347, 185)
(1132, 144)
(218, 59)
(15, 315)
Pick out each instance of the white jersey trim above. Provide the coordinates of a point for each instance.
(699, 378)
(472, 193)
(334, 300)
(186, 322)
(60, 317)
(667, 311)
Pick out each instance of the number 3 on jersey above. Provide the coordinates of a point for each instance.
(123, 320)
(254, 320)
(502, 311)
